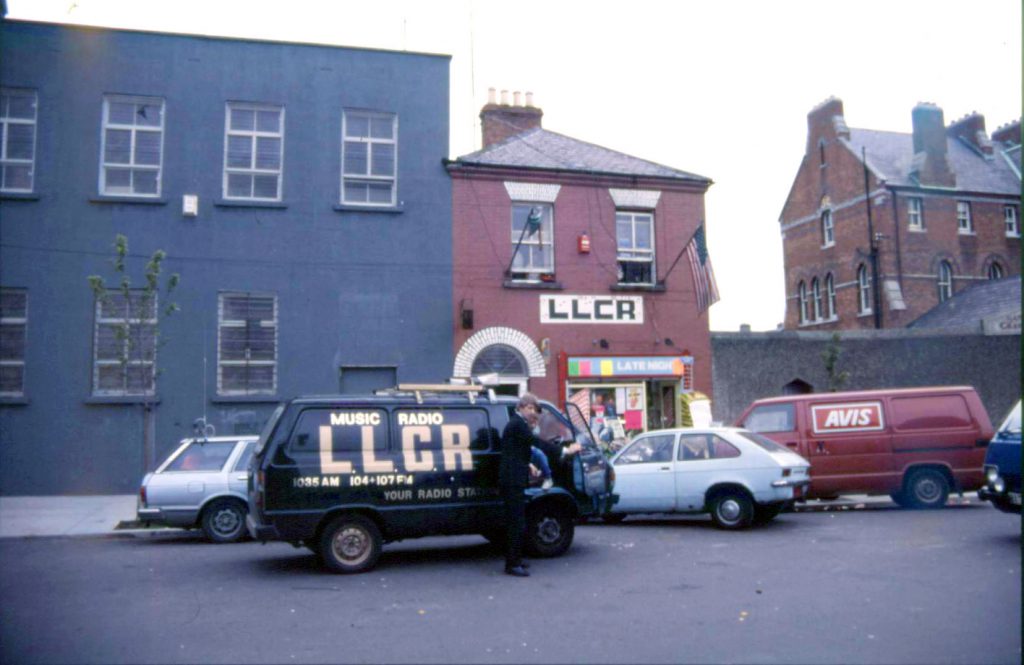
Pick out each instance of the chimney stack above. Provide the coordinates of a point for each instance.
(501, 121)
(971, 129)
(930, 165)
(825, 122)
(1008, 133)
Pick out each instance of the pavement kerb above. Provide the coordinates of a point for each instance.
(115, 515)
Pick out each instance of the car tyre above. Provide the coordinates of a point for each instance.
(732, 511)
(223, 521)
(613, 518)
(926, 488)
(766, 513)
(549, 532)
(350, 544)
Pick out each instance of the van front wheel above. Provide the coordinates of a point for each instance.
(927, 488)
(350, 544)
(549, 533)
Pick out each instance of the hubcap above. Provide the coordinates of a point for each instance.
(729, 510)
(927, 489)
(549, 530)
(351, 545)
(226, 522)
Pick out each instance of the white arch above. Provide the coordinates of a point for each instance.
(499, 335)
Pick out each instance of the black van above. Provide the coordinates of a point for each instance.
(345, 474)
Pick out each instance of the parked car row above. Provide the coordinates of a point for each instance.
(916, 445)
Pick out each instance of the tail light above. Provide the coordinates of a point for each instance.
(786, 472)
(142, 496)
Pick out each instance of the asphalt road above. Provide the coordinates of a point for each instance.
(866, 586)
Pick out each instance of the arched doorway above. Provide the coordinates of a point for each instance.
(506, 356)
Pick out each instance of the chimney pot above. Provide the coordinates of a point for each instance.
(516, 98)
(529, 99)
(499, 122)
(504, 97)
(492, 96)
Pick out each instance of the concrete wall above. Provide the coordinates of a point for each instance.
(354, 287)
(749, 366)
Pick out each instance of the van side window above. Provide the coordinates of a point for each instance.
(930, 412)
(772, 418)
(453, 423)
(345, 428)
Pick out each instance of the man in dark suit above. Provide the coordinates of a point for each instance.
(514, 475)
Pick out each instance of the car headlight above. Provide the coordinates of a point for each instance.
(999, 485)
(991, 474)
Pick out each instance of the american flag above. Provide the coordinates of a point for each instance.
(581, 398)
(700, 266)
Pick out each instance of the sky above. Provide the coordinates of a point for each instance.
(721, 89)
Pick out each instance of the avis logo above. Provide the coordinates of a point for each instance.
(862, 417)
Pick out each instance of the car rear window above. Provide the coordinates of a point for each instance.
(209, 456)
(930, 412)
(771, 418)
(764, 442)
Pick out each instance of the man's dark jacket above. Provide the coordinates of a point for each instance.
(516, 441)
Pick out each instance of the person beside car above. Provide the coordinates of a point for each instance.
(517, 442)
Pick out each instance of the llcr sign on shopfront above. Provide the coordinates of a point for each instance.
(591, 309)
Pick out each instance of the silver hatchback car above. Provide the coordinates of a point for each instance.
(202, 484)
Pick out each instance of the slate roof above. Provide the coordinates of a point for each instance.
(966, 309)
(539, 148)
(889, 154)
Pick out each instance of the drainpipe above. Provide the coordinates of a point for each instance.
(876, 294)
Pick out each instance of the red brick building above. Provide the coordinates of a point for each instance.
(601, 296)
(940, 211)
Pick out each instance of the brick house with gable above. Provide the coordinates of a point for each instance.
(601, 296)
(941, 213)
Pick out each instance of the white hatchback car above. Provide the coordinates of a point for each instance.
(204, 483)
(740, 477)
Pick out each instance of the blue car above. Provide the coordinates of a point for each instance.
(1002, 466)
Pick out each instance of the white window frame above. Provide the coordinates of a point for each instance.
(830, 296)
(368, 178)
(1011, 220)
(6, 121)
(828, 231)
(816, 303)
(964, 223)
(8, 321)
(863, 290)
(254, 135)
(945, 281)
(635, 254)
(134, 129)
(223, 323)
(801, 294)
(97, 363)
(543, 238)
(915, 213)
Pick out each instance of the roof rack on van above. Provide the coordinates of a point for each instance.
(418, 389)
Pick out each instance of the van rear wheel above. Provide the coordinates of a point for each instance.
(350, 544)
(926, 488)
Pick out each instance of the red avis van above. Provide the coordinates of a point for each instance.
(914, 444)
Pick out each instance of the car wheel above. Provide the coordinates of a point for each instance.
(350, 544)
(548, 533)
(732, 511)
(224, 521)
(927, 488)
(613, 518)
(766, 513)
